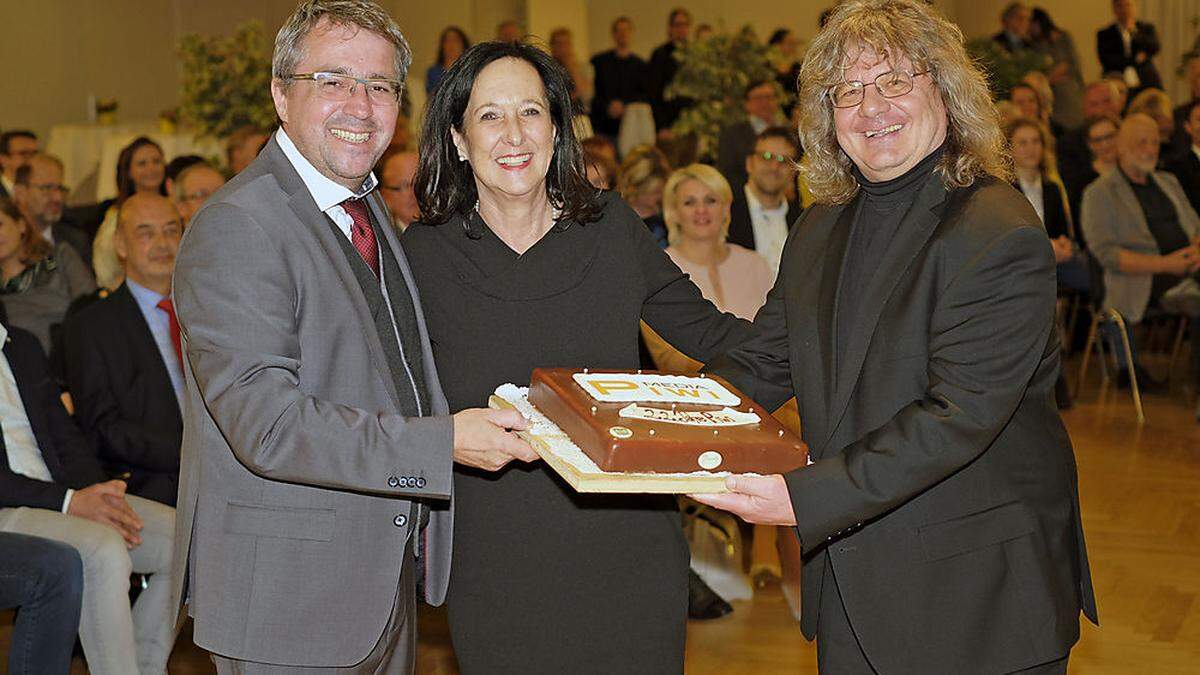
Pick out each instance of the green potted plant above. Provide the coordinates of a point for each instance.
(226, 81)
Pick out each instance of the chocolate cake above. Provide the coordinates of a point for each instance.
(662, 423)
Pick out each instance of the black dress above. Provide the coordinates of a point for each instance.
(545, 580)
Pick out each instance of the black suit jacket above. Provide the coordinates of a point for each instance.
(123, 396)
(75, 237)
(943, 491)
(741, 229)
(1055, 212)
(1186, 168)
(735, 143)
(1111, 50)
(71, 461)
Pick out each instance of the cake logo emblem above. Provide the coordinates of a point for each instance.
(628, 388)
(709, 460)
(726, 417)
(620, 432)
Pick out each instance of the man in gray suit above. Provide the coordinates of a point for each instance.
(317, 448)
(1141, 228)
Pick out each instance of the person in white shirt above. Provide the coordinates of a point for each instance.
(52, 486)
(763, 211)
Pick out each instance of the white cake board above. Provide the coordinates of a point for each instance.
(557, 449)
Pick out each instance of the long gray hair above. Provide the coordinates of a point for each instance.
(893, 29)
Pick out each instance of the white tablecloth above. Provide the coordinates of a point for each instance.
(89, 153)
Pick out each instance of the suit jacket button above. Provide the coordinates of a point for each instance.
(393, 482)
(420, 483)
(400, 521)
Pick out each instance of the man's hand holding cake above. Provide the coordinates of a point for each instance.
(761, 500)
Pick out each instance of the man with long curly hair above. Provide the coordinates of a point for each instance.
(913, 320)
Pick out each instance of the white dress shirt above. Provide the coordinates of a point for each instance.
(770, 228)
(327, 194)
(8, 185)
(1033, 191)
(24, 455)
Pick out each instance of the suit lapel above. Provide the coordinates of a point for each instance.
(816, 252)
(910, 239)
(432, 384)
(301, 203)
(144, 345)
(831, 276)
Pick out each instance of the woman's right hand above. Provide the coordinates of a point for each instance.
(484, 438)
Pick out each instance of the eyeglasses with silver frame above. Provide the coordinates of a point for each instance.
(891, 84)
(340, 87)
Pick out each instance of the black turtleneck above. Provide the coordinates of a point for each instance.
(879, 209)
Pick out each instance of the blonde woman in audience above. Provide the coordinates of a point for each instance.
(640, 183)
(1036, 178)
(696, 203)
(37, 281)
(141, 168)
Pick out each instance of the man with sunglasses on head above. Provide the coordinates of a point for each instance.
(913, 320)
(765, 209)
(316, 471)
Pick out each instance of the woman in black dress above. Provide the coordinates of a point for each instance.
(520, 264)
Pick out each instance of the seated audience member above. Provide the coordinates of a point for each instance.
(1145, 234)
(1186, 166)
(1100, 157)
(1192, 74)
(192, 187)
(122, 357)
(176, 166)
(52, 486)
(763, 213)
(396, 175)
(1099, 100)
(37, 281)
(602, 171)
(1014, 28)
(451, 44)
(242, 147)
(16, 147)
(761, 103)
(620, 77)
(1156, 104)
(1029, 143)
(41, 197)
(1045, 98)
(640, 182)
(696, 208)
(140, 170)
(43, 579)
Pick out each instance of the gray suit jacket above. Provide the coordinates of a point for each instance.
(1113, 220)
(298, 471)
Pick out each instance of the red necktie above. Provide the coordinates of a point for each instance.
(362, 236)
(169, 307)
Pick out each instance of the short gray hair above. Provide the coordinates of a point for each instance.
(362, 14)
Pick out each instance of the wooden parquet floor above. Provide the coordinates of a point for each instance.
(1140, 490)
